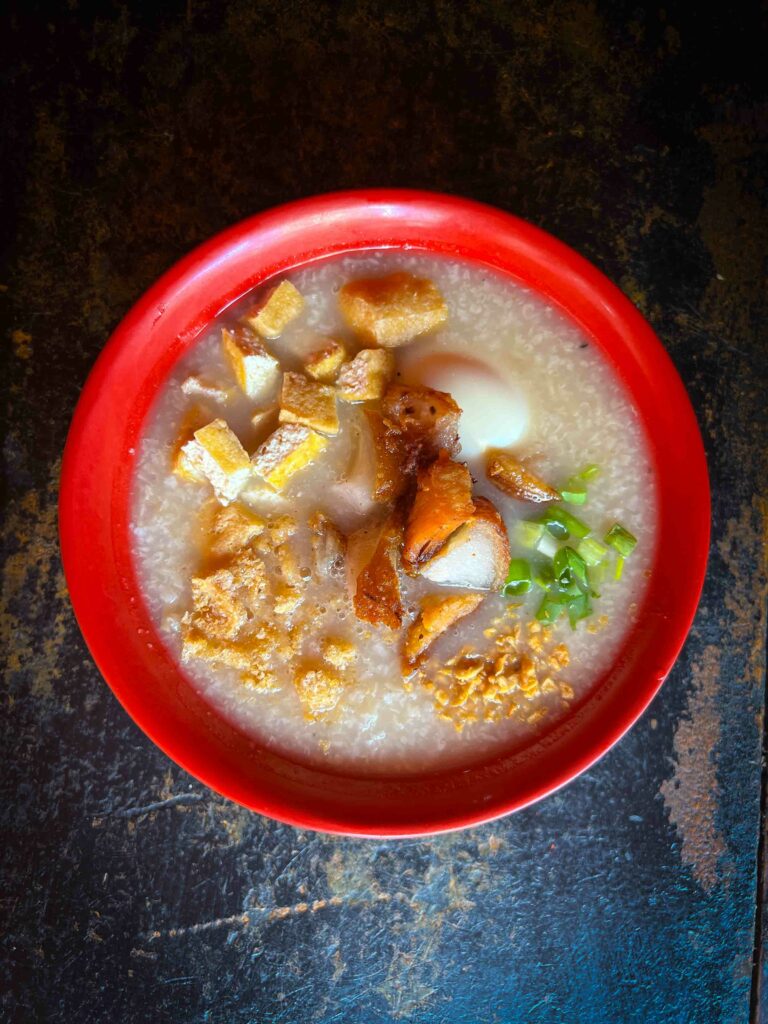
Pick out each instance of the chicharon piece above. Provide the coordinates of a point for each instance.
(392, 310)
(255, 368)
(216, 454)
(289, 449)
(476, 556)
(280, 306)
(309, 403)
(365, 378)
(443, 503)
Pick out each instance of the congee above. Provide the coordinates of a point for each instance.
(393, 512)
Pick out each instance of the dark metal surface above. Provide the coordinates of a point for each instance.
(636, 135)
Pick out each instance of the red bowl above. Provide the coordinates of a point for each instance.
(100, 457)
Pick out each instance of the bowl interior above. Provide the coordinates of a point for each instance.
(100, 458)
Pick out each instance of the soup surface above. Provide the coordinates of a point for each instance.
(339, 596)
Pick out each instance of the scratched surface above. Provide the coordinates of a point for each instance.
(636, 134)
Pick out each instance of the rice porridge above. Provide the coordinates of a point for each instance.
(393, 512)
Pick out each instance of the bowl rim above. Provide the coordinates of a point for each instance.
(95, 493)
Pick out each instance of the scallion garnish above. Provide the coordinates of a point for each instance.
(591, 550)
(579, 608)
(574, 492)
(562, 524)
(570, 574)
(550, 609)
(528, 533)
(518, 578)
(569, 567)
(621, 540)
(547, 545)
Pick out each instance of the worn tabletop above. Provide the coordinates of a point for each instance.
(638, 136)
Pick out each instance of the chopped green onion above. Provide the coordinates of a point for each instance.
(528, 533)
(621, 539)
(518, 578)
(547, 545)
(542, 575)
(595, 575)
(589, 472)
(619, 568)
(579, 608)
(591, 550)
(574, 493)
(550, 609)
(569, 567)
(561, 523)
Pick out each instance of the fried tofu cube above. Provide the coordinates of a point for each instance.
(256, 369)
(309, 403)
(318, 689)
(365, 378)
(280, 306)
(337, 652)
(393, 310)
(194, 418)
(216, 453)
(325, 363)
(233, 527)
(289, 449)
(183, 468)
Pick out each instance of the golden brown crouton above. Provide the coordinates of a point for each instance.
(390, 450)
(279, 307)
(216, 453)
(319, 690)
(511, 477)
(289, 449)
(324, 364)
(232, 528)
(427, 419)
(377, 593)
(476, 555)
(442, 504)
(309, 403)
(392, 310)
(329, 546)
(365, 377)
(437, 614)
(337, 652)
(256, 370)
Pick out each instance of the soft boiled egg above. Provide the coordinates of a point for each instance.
(494, 409)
